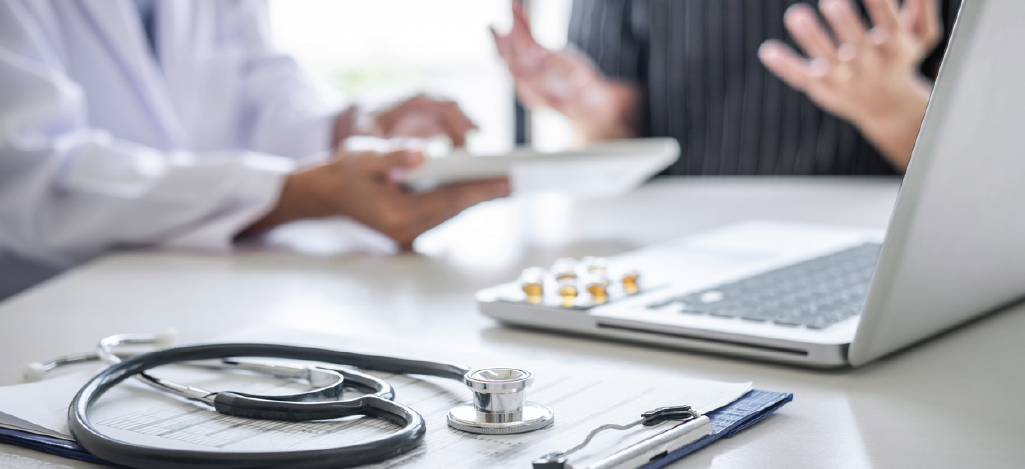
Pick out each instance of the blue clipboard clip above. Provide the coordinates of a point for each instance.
(692, 427)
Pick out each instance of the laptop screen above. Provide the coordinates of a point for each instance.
(955, 247)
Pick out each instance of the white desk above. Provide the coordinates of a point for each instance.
(951, 402)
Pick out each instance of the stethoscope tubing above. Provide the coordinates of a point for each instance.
(397, 443)
(347, 378)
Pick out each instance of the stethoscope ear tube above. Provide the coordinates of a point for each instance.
(241, 405)
(120, 452)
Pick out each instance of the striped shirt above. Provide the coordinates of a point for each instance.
(696, 62)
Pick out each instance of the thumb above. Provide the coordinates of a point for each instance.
(500, 40)
(519, 16)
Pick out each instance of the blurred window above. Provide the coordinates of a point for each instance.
(382, 50)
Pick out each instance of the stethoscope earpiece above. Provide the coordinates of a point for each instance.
(33, 372)
(165, 338)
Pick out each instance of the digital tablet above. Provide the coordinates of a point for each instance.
(603, 169)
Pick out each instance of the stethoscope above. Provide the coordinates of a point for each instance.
(499, 400)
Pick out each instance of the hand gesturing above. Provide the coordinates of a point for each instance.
(566, 82)
(867, 76)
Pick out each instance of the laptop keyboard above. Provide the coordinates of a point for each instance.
(815, 294)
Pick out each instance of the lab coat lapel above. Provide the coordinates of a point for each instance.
(117, 22)
(183, 27)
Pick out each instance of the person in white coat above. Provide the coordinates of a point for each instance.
(176, 124)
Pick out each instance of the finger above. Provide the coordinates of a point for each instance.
(388, 119)
(388, 164)
(846, 22)
(417, 101)
(922, 19)
(385, 119)
(909, 14)
(422, 104)
(518, 61)
(524, 46)
(428, 118)
(808, 32)
(443, 203)
(501, 44)
(418, 128)
(786, 64)
(520, 33)
(458, 125)
(885, 22)
(930, 16)
(506, 50)
(931, 9)
(519, 15)
(884, 14)
(457, 118)
(931, 26)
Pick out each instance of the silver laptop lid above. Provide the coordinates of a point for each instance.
(955, 247)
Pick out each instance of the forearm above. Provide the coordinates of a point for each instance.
(295, 201)
(65, 203)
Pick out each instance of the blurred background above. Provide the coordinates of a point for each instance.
(368, 53)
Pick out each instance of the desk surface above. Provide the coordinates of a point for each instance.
(953, 401)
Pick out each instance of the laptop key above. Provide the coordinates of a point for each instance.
(760, 315)
(727, 313)
(788, 321)
(819, 323)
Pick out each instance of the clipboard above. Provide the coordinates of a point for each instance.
(725, 422)
(695, 432)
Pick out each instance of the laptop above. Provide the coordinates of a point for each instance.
(824, 296)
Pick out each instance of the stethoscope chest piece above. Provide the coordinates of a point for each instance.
(500, 405)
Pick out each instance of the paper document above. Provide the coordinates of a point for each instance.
(42, 407)
(581, 399)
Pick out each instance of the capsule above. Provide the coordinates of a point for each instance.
(597, 286)
(595, 265)
(532, 284)
(568, 292)
(630, 285)
(564, 268)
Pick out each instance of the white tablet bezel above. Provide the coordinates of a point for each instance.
(629, 162)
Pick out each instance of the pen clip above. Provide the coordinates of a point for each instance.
(559, 459)
(662, 414)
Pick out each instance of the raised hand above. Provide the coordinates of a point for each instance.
(867, 76)
(566, 82)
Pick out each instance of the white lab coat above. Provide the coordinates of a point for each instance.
(102, 147)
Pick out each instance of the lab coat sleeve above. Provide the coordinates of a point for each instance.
(68, 191)
(288, 111)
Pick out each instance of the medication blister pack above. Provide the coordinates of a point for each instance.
(573, 284)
